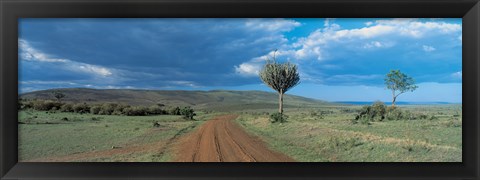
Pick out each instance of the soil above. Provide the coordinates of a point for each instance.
(217, 140)
(222, 140)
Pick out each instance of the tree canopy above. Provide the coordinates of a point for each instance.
(399, 83)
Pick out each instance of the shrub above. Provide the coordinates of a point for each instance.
(278, 117)
(95, 109)
(155, 109)
(117, 113)
(378, 110)
(25, 104)
(81, 108)
(407, 115)
(187, 113)
(120, 107)
(46, 105)
(54, 109)
(375, 112)
(66, 108)
(394, 113)
(135, 111)
(107, 108)
(174, 111)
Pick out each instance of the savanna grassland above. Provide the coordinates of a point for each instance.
(147, 129)
(327, 134)
(60, 136)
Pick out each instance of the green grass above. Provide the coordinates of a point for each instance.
(53, 135)
(321, 134)
(331, 137)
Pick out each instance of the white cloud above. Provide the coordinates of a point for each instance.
(248, 69)
(275, 25)
(457, 74)
(95, 69)
(29, 53)
(185, 83)
(417, 29)
(428, 48)
(373, 44)
(378, 34)
(48, 82)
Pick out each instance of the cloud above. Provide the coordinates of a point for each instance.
(273, 25)
(48, 82)
(95, 69)
(189, 53)
(373, 44)
(387, 30)
(457, 74)
(417, 29)
(428, 48)
(185, 83)
(374, 49)
(29, 53)
(248, 69)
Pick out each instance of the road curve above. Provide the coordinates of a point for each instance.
(222, 140)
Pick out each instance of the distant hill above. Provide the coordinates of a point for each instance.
(215, 99)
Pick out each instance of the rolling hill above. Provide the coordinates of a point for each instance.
(215, 99)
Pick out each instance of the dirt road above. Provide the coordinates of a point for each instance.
(222, 140)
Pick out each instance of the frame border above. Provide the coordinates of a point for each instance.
(12, 10)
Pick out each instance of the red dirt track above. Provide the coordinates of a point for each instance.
(222, 140)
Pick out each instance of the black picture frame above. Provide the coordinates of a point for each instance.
(12, 10)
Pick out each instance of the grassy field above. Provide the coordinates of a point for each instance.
(316, 131)
(328, 135)
(85, 137)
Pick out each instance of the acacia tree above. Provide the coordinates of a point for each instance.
(399, 83)
(280, 77)
(58, 95)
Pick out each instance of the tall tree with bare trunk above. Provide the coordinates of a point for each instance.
(281, 77)
(399, 83)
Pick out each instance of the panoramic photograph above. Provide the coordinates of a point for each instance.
(240, 90)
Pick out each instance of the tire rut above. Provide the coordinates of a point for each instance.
(222, 140)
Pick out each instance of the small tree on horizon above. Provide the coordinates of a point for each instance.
(399, 83)
(58, 95)
(280, 77)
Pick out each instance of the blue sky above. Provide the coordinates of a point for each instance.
(338, 59)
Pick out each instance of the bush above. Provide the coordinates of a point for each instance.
(375, 112)
(95, 109)
(119, 109)
(278, 117)
(187, 113)
(155, 109)
(46, 105)
(81, 108)
(107, 109)
(66, 108)
(25, 104)
(394, 113)
(378, 110)
(174, 111)
(135, 111)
